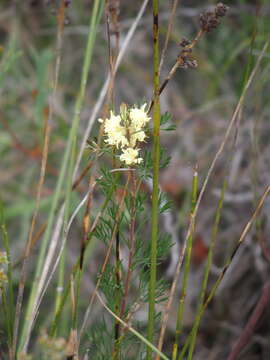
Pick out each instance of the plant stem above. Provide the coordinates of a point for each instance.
(131, 245)
(95, 18)
(117, 328)
(179, 322)
(65, 168)
(8, 305)
(206, 272)
(228, 262)
(156, 158)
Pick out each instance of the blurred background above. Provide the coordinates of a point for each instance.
(201, 102)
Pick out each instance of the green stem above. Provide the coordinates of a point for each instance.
(61, 273)
(95, 19)
(156, 159)
(206, 273)
(229, 261)
(10, 297)
(181, 307)
(6, 316)
(116, 346)
(98, 5)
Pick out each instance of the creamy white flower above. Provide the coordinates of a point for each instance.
(115, 132)
(125, 131)
(130, 156)
(138, 117)
(136, 135)
(112, 123)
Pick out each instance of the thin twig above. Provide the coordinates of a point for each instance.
(168, 34)
(177, 64)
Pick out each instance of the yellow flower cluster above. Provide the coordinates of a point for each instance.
(125, 131)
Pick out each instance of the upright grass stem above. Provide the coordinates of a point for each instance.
(117, 328)
(181, 307)
(214, 288)
(47, 132)
(9, 306)
(95, 19)
(65, 168)
(206, 273)
(156, 158)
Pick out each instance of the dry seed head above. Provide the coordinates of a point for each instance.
(184, 42)
(221, 9)
(209, 20)
(192, 63)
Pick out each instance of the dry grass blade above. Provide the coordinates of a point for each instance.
(241, 239)
(47, 131)
(55, 238)
(31, 234)
(56, 262)
(209, 173)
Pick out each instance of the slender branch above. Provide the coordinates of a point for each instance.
(168, 34)
(177, 64)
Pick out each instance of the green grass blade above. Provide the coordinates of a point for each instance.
(181, 306)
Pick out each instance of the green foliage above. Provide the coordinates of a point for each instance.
(109, 286)
(166, 122)
(145, 170)
(100, 340)
(107, 182)
(163, 203)
(8, 60)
